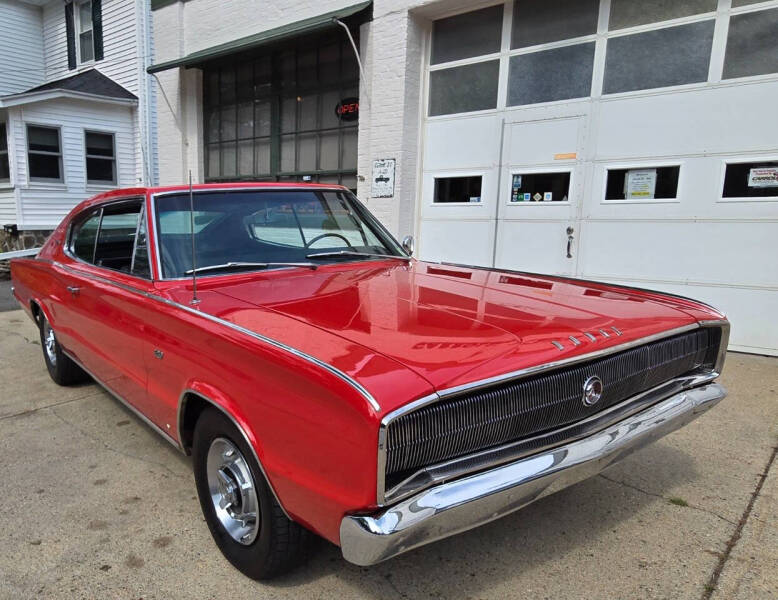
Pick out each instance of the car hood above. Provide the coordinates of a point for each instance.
(450, 325)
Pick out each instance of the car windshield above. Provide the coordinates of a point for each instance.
(257, 229)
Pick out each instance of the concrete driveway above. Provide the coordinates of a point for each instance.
(95, 505)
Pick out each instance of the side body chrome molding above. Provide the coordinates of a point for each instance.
(275, 343)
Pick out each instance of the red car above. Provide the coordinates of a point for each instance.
(325, 381)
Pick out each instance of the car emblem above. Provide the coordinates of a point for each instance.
(592, 390)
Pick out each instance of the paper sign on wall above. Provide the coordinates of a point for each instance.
(763, 177)
(382, 184)
(640, 184)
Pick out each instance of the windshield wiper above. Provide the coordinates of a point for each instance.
(249, 265)
(347, 253)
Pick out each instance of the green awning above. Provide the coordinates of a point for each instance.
(260, 39)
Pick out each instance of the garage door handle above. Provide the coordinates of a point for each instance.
(570, 240)
(74, 289)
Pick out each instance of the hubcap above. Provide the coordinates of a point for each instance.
(232, 490)
(50, 343)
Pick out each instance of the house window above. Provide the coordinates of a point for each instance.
(643, 183)
(85, 30)
(44, 154)
(100, 158)
(5, 171)
(458, 190)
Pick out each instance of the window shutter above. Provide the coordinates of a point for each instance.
(70, 29)
(97, 26)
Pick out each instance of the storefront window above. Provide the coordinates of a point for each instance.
(276, 116)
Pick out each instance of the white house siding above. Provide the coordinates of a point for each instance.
(7, 206)
(44, 204)
(125, 60)
(21, 54)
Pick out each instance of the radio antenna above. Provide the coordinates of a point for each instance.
(195, 300)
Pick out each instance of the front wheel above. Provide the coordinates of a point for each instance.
(244, 518)
(61, 367)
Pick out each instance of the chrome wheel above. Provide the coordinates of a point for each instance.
(233, 492)
(50, 343)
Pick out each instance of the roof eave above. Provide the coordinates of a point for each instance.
(58, 94)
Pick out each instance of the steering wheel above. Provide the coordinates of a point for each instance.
(324, 235)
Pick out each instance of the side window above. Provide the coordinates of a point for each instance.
(83, 237)
(140, 258)
(116, 238)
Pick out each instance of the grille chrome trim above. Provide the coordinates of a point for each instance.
(527, 372)
(493, 457)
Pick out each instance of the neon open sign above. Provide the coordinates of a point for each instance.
(348, 109)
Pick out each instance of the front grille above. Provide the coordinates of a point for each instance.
(508, 412)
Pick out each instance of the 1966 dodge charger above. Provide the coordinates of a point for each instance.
(325, 381)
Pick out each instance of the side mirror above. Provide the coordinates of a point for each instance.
(408, 244)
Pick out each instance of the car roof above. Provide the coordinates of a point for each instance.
(152, 190)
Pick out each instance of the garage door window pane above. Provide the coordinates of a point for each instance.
(458, 190)
(660, 58)
(643, 183)
(464, 89)
(549, 75)
(543, 21)
(540, 187)
(752, 44)
(628, 13)
(751, 180)
(463, 36)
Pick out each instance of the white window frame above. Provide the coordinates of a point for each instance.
(739, 161)
(98, 183)
(453, 175)
(721, 15)
(7, 155)
(79, 30)
(542, 171)
(45, 180)
(681, 164)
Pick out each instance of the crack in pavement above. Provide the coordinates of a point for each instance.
(114, 450)
(713, 582)
(31, 411)
(647, 493)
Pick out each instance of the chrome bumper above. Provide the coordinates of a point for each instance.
(463, 504)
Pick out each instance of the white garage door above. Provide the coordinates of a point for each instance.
(671, 189)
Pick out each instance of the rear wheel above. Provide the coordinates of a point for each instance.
(60, 366)
(244, 518)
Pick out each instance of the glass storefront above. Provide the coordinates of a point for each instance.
(289, 113)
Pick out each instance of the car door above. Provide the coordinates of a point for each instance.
(107, 286)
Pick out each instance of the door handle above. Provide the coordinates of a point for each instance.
(570, 240)
(74, 289)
